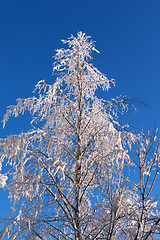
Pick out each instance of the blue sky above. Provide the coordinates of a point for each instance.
(127, 34)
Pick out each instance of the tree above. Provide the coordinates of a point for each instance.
(67, 173)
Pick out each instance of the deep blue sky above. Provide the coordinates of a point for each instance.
(127, 34)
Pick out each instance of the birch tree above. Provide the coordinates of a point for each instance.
(66, 177)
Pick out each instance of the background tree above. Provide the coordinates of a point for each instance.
(66, 177)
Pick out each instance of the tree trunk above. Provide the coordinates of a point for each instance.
(78, 159)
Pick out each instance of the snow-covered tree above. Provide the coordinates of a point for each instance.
(67, 178)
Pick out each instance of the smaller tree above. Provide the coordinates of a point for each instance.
(147, 165)
(66, 177)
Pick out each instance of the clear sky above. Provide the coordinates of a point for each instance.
(127, 34)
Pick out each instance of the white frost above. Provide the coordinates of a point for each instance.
(3, 180)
